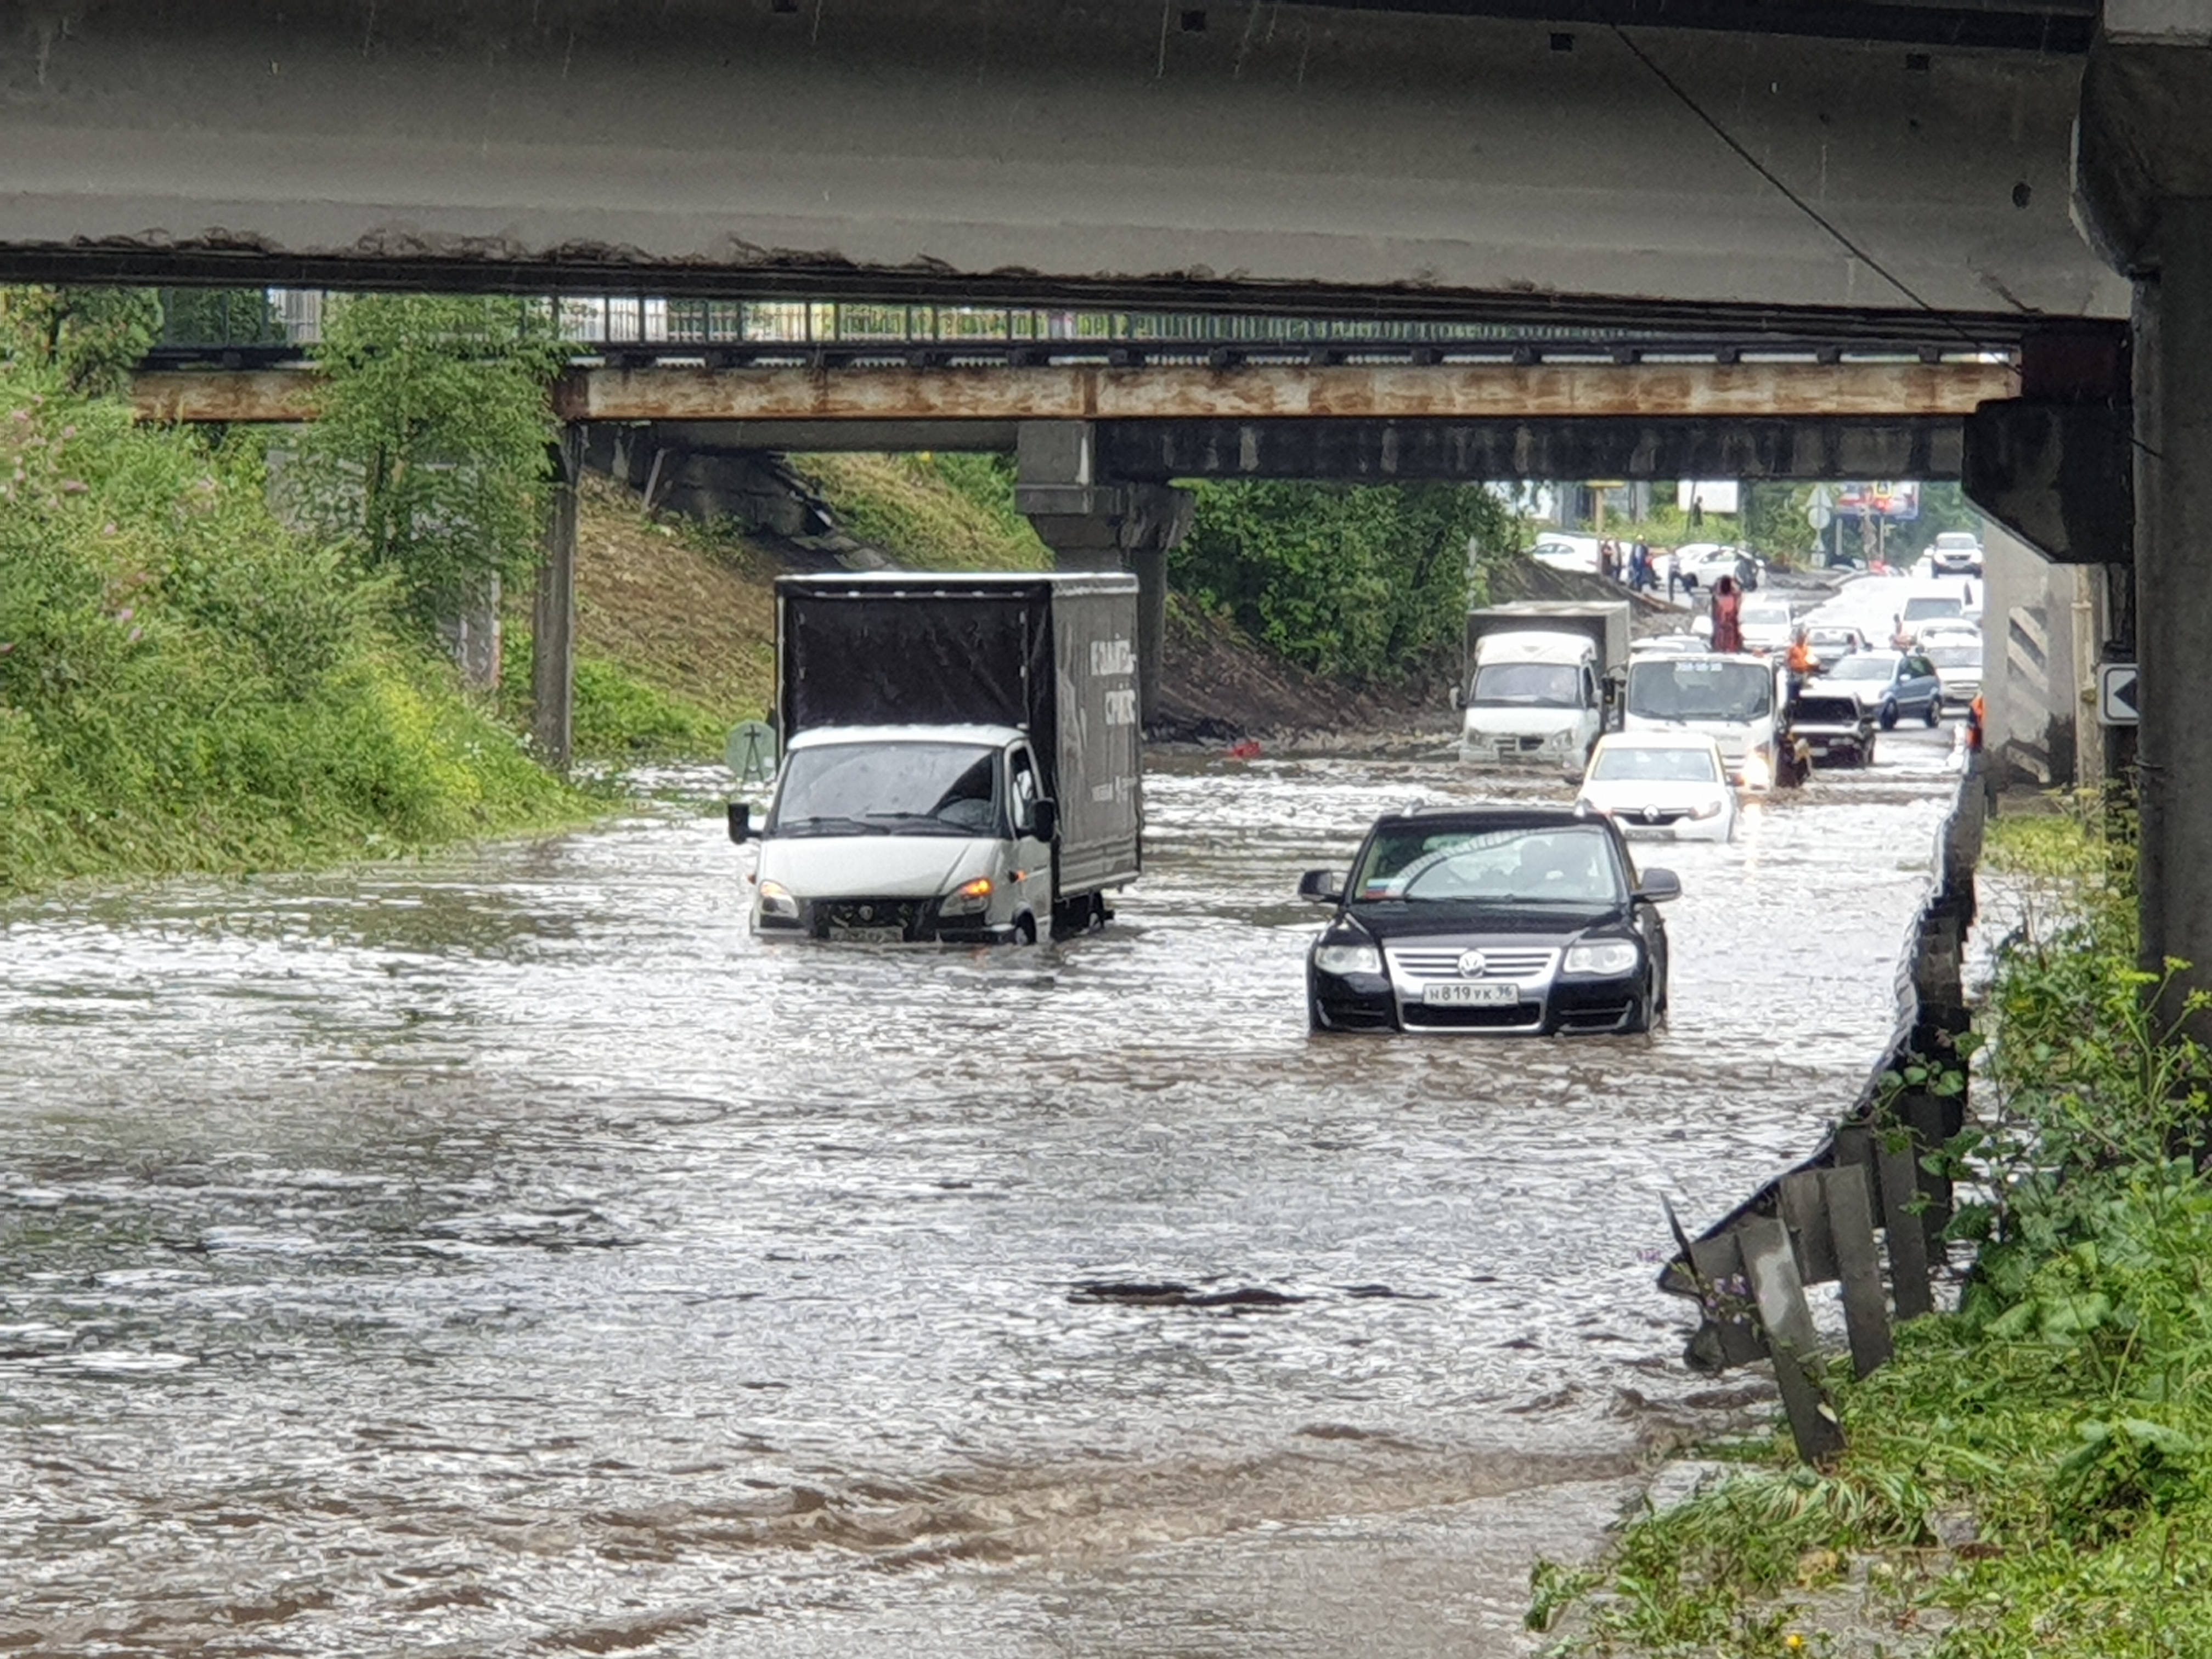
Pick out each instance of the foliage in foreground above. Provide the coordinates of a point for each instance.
(2034, 1473)
(186, 684)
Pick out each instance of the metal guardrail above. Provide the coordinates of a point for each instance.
(254, 328)
(1817, 1222)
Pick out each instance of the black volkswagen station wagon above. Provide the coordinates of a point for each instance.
(1522, 920)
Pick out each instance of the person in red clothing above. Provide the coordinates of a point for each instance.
(1728, 604)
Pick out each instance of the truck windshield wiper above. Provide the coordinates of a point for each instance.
(822, 825)
(926, 823)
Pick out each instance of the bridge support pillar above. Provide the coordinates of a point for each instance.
(2142, 187)
(553, 611)
(1091, 524)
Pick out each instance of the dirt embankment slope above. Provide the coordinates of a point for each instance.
(690, 612)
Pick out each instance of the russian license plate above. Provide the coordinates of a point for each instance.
(1500, 995)
(867, 935)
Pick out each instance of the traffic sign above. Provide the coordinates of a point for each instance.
(1823, 497)
(751, 752)
(2117, 689)
(1818, 516)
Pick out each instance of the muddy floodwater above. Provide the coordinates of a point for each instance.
(508, 1254)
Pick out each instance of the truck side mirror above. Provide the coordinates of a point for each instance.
(741, 822)
(1458, 695)
(1322, 887)
(1044, 819)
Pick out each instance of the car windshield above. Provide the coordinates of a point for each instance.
(889, 789)
(1954, 656)
(1699, 690)
(1932, 606)
(1766, 616)
(1628, 763)
(1821, 637)
(1563, 863)
(1540, 684)
(1865, 668)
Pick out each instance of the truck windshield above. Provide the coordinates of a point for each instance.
(1527, 684)
(1690, 689)
(1570, 864)
(889, 789)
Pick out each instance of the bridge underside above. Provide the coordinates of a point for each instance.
(1285, 157)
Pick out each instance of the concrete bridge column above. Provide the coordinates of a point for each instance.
(553, 611)
(2143, 194)
(1093, 525)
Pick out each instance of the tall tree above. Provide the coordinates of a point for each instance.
(430, 457)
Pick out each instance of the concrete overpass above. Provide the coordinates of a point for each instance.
(1868, 167)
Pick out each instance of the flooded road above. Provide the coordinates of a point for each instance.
(507, 1253)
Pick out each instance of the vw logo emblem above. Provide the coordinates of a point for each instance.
(1472, 964)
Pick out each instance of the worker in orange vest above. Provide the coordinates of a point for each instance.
(1975, 714)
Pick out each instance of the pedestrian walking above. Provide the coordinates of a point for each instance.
(1608, 559)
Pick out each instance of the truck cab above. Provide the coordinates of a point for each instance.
(1730, 697)
(878, 835)
(1538, 685)
(1535, 698)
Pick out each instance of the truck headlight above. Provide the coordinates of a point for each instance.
(1611, 957)
(776, 900)
(971, 899)
(1342, 959)
(1757, 767)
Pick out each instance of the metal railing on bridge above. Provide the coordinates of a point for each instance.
(257, 328)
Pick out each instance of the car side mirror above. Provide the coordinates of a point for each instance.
(1660, 885)
(1321, 886)
(1044, 819)
(741, 822)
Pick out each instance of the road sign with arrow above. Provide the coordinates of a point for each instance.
(2118, 689)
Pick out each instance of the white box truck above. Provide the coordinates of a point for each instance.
(1538, 681)
(961, 757)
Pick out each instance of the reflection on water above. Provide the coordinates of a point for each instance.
(508, 1250)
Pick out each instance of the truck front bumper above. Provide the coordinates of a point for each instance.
(883, 921)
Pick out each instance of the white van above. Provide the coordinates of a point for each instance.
(1732, 699)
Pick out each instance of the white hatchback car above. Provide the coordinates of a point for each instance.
(1668, 783)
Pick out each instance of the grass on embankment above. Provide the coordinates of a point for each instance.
(2033, 1474)
(186, 684)
(675, 623)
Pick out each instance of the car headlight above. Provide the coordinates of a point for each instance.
(1711, 809)
(776, 900)
(1610, 957)
(969, 900)
(1342, 959)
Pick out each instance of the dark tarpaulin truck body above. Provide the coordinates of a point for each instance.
(1055, 655)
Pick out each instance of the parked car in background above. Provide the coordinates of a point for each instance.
(1709, 561)
(1668, 783)
(1951, 628)
(1957, 659)
(1832, 645)
(1564, 550)
(1955, 553)
(1516, 920)
(1888, 685)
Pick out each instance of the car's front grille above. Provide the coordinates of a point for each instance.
(1428, 964)
(866, 914)
(1514, 1016)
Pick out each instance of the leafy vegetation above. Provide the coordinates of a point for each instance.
(185, 683)
(1363, 581)
(431, 456)
(2033, 1474)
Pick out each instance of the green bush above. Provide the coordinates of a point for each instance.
(1363, 581)
(184, 683)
